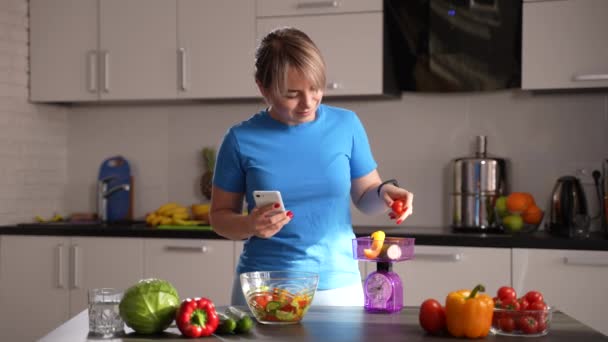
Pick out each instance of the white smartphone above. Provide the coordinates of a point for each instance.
(265, 197)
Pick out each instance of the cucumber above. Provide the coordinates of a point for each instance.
(244, 323)
(227, 324)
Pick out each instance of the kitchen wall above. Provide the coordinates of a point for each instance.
(33, 138)
(50, 154)
(414, 138)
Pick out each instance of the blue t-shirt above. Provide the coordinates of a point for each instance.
(312, 165)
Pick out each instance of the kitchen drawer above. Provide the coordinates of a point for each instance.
(197, 268)
(269, 8)
(436, 271)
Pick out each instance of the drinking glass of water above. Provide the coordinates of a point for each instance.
(104, 317)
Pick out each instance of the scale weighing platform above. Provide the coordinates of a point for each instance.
(383, 288)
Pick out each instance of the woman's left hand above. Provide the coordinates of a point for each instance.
(399, 200)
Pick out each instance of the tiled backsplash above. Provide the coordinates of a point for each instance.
(414, 138)
(33, 138)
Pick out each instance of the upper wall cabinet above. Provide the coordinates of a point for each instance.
(216, 46)
(84, 50)
(91, 50)
(564, 44)
(349, 34)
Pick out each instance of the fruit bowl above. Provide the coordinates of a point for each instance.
(515, 224)
(528, 323)
(279, 297)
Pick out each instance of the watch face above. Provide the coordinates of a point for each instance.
(378, 289)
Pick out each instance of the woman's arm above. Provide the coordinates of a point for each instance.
(226, 214)
(364, 193)
(227, 219)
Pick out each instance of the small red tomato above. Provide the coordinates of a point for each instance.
(534, 296)
(497, 302)
(542, 326)
(398, 207)
(540, 306)
(510, 304)
(523, 303)
(528, 325)
(506, 292)
(432, 317)
(506, 324)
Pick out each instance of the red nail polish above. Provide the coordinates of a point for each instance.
(399, 221)
(289, 213)
(391, 215)
(277, 205)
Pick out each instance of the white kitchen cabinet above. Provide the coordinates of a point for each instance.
(436, 271)
(63, 50)
(216, 45)
(197, 268)
(348, 33)
(49, 277)
(88, 50)
(571, 281)
(564, 44)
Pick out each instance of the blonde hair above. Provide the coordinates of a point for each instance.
(285, 48)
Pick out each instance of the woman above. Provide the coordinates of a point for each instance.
(317, 156)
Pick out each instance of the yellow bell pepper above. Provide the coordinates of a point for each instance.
(468, 313)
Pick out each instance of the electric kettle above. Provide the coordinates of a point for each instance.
(569, 215)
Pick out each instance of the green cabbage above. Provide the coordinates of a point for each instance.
(149, 306)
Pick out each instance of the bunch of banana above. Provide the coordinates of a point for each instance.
(171, 214)
(55, 218)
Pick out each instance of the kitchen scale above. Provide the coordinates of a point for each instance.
(383, 288)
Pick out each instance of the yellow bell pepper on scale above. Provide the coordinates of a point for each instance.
(468, 313)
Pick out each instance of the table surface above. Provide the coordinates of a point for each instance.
(332, 324)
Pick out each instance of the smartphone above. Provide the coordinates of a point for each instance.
(265, 197)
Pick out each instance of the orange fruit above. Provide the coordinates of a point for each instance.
(532, 215)
(518, 202)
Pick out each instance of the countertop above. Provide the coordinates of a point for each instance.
(333, 324)
(431, 236)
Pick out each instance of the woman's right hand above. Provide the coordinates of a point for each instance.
(266, 221)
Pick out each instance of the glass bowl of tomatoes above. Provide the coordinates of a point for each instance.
(530, 323)
(279, 297)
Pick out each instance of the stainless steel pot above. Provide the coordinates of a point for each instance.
(477, 182)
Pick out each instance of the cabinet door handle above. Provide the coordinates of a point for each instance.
(333, 85)
(75, 266)
(60, 270)
(182, 68)
(201, 249)
(319, 4)
(105, 55)
(585, 261)
(92, 70)
(590, 77)
(451, 257)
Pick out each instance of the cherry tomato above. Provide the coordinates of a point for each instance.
(510, 304)
(542, 326)
(528, 325)
(534, 296)
(540, 306)
(398, 207)
(506, 324)
(506, 292)
(432, 317)
(497, 302)
(523, 303)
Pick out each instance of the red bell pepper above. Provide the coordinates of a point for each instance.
(197, 317)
